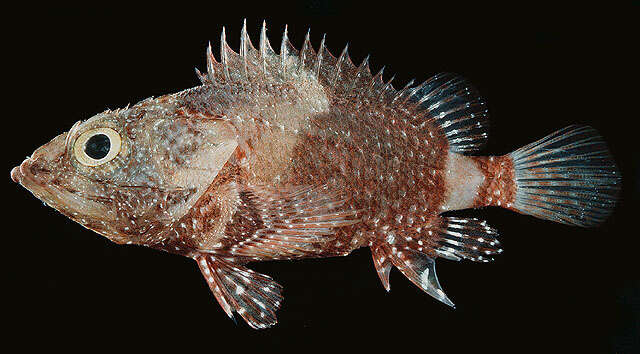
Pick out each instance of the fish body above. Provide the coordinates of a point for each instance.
(304, 155)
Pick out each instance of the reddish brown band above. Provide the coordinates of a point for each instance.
(498, 188)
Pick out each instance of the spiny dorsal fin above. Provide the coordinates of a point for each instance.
(211, 64)
(445, 101)
(285, 47)
(362, 75)
(387, 87)
(344, 55)
(306, 54)
(319, 57)
(265, 47)
(245, 45)
(403, 91)
(264, 63)
(201, 76)
(376, 81)
(224, 54)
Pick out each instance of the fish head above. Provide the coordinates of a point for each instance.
(129, 174)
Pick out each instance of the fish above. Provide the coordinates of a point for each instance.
(301, 154)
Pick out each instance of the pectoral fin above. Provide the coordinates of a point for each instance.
(287, 223)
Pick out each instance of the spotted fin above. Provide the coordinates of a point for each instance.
(467, 238)
(287, 223)
(254, 296)
(419, 268)
(568, 177)
(445, 100)
(383, 265)
(450, 102)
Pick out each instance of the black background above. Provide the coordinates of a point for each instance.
(555, 288)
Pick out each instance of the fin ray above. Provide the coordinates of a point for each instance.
(420, 269)
(568, 176)
(467, 238)
(254, 296)
(283, 224)
(450, 102)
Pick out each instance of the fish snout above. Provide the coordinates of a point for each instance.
(18, 173)
(15, 174)
(32, 169)
(40, 164)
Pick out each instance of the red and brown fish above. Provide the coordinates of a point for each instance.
(301, 154)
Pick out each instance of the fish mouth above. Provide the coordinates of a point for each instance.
(35, 182)
(38, 180)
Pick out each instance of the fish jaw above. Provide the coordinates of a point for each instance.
(40, 174)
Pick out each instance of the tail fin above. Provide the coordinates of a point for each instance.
(567, 177)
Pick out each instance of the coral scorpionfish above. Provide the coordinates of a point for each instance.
(300, 154)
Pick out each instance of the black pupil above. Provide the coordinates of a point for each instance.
(97, 146)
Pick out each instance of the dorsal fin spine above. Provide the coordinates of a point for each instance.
(224, 54)
(305, 48)
(244, 47)
(318, 64)
(362, 72)
(210, 64)
(201, 76)
(403, 91)
(263, 47)
(284, 51)
(386, 87)
(344, 55)
(376, 79)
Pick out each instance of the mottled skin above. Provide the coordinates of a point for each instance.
(380, 170)
(188, 158)
(286, 156)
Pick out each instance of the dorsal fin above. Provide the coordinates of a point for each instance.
(211, 64)
(344, 55)
(285, 48)
(318, 63)
(265, 48)
(306, 54)
(224, 54)
(361, 76)
(450, 102)
(245, 46)
(446, 101)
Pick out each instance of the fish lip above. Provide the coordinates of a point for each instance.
(24, 175)
(56, 197)
(20, 172)
(15, 174)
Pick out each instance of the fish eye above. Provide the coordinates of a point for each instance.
(97, 146)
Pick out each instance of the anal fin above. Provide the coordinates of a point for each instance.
(254, 296)
(419, 268)
(448, 237)
(383, 265)
(467, 238)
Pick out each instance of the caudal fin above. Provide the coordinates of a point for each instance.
(567, 177)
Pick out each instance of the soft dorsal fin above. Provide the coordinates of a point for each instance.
(451, 103)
